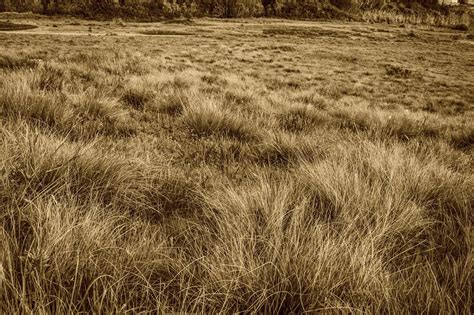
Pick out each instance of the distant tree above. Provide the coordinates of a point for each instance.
(45, 4)
(5, 5)
(229, 8)
(103, 5)
(269, 3)
(207, 6)
(343, 4)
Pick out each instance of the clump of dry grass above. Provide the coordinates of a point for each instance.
(398, 71)
(281, 149)
(266, 225)
(463, 139)
(62, 256)
(310, 98)
(38, 164)
(358, 227)
(238, 97)
(42, 99)
(19, 101)
(136, 98)
(98, 114)
(172, 103)
(206, 118)
(302, 118)
(13, 62)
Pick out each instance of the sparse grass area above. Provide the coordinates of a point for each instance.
(227, 172)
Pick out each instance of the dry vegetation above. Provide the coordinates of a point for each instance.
(245, 166)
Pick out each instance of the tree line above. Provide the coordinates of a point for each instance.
(216, 8)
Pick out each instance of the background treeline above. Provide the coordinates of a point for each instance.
(220, 8)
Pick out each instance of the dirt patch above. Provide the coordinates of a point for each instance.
(8, 26)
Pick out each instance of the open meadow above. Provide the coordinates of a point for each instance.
(246, 165)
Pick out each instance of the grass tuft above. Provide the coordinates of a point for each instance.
(136, 98)
(302, 119)
(18, 101)
(13, 62)
(206, 119)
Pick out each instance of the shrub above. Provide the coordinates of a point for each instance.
(461, 27)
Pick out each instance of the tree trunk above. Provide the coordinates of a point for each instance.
(45, 4)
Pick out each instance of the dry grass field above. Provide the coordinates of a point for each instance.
(254, 165)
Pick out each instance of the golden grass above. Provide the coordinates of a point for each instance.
(198, 174)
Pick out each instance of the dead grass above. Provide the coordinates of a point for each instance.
(229, 173)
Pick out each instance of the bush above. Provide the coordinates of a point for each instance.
(461, 27)
(343, 4)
